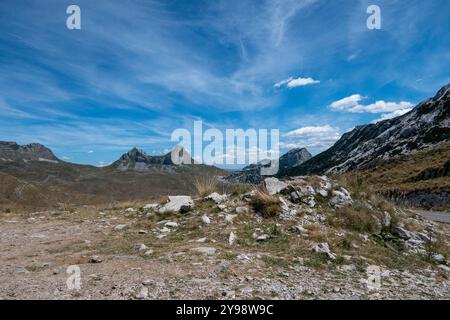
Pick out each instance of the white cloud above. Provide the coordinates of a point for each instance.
(347, 102)
(305, 131)
(352, 104)
(317, 138)
(391, 115)
(292, 83)
(283, 82)
(381, 106)
(90, 151)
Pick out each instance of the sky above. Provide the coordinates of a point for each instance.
(138, 70)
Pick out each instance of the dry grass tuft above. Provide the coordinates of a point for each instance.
(357, 218)
(205, 185)
(265, 204)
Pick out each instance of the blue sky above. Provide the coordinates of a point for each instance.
(137, 70)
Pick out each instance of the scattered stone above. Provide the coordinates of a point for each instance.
(142, 294)
(248, 196)
(22, 270)
(263, 237)
(240, 210)
(297, 229)
(180, 204)
(324, 248)
(148, 282)
(204, 250)
(120, 227)
(150, 206)
(232, 238)
(401, 233)
(387, 219)
(164, 230)
(148, 252)
(229, 218)
(341, 198)
(95, 259)
(217, 198)
(142, 232)
(201, 240)
(444, 267)
(274, 186)
(130, 210)
(323, 192)
(171, 224)
(205, 219)
(140, 247)
(439, 258)
(222, 207)
(309, 200)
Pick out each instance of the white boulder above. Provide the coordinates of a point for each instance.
(325, 249)
(205, 219)
(180, 204)
(217, 198)
(274, 186)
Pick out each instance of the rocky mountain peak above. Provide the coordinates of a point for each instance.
(294, 158)
(365, 146)
(11, 151)
(138, 159)
(252, 172)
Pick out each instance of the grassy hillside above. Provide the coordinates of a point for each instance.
(423, 171)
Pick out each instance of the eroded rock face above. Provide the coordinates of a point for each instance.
(180, 204)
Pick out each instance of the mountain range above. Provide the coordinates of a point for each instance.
(404, 157)
(31, 175)
(252, 172)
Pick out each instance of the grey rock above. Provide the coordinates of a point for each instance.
(204, 250)
(205, 219)
(341, 198)
(180, 204)
(217, 198)
(325, 249)
(274, 186)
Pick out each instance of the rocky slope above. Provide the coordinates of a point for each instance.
(366, 146)
(323, 240)
(252, 173)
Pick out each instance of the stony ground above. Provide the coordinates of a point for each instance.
(218, 250)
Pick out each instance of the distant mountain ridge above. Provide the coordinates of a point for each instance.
(139, 160)
(252, 172)
(11, 151)
(32, 176)
(366, 146)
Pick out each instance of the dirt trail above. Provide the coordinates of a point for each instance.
(443, 217)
